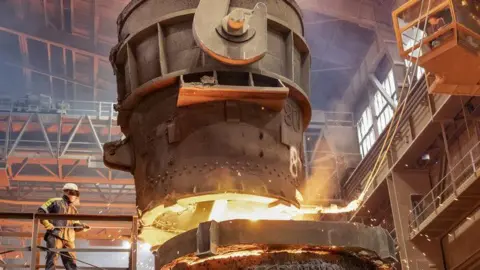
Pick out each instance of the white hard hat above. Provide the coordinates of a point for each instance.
(70, 186)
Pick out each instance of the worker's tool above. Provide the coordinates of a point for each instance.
(91, 227)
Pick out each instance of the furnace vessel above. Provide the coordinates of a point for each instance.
(213, 102)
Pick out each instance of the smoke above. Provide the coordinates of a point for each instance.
(321, 181)
(332, 153)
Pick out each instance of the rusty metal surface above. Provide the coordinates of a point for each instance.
(208, 89)
(214, 147)
(159, 45)
(210, 148)
(225, 48)
(146, 8)
(323, 243)
(192, 127)
(282, 260)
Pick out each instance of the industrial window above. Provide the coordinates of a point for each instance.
(384, 118)
(383, 111)
(380, 117)
(366, 136)
(389, 84)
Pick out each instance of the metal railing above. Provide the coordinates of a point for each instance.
(102, 110)
(466, 167)
(331, 118)
(36, 248)
(98, 109)
(339, 119)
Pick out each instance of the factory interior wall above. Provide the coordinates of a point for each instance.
(461, 141)
(460, 249)
(401, 187)
(362, 103)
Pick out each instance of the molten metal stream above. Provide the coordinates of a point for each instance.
(229, 210)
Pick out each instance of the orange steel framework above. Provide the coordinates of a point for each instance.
(41, 147)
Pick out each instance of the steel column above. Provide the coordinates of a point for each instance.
(133, 251)
(33, 258)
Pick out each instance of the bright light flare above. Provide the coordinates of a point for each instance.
(334, 209)
(146, 246)
(229, 210)
(250, 253)
(126, 244)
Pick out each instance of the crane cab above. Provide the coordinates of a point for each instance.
(444, 37)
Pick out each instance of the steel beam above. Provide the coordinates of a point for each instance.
(72, 135)
(33, 256)
(101, 194)
(381, 90)
(48, 161)
(45, 135)
(49, 171)
(119, 194)
(86, 204)
(73, 168)
(19, 137)
(95, 135)
(23, 164)
(76, 179)
(87, 236)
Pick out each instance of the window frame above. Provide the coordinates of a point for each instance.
(364, 134)
(380, 112)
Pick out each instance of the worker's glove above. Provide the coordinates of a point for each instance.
(49, 227)
(85, 227)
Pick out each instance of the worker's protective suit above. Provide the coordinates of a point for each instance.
(57, 236)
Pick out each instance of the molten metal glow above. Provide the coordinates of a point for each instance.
(229, 210)
(253, 253)
(334, 209)
(163, 223)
